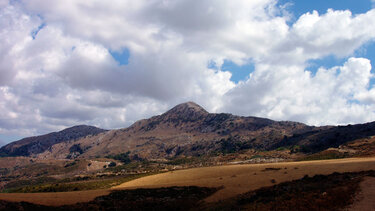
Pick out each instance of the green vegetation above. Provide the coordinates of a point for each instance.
(3, 154)
(327, 155)
(295, 149)
(182, 161)
(76, 148)
(32, 182)
(33, 170)
(232, 145)
(133, 167)
(281, 149)
(123, 157)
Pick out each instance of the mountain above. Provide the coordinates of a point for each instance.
(189, 130)
(38, 144)
(328, 137)
(185, 130)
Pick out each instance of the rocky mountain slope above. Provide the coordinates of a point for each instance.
(329, 137)
(189, 130)
(38, 144)
(185, 130)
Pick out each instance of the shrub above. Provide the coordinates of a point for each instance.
(123, 157)
(112, 164)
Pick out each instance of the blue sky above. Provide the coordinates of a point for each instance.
(8, 138)
(300, 7)
(121, 56)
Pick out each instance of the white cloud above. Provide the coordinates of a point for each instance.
(314, 36)
(284, 92)
(66, 75)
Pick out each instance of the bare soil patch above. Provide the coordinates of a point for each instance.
(365, 200)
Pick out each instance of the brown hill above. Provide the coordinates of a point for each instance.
(39, 144)
(189, 130)
(328, 137)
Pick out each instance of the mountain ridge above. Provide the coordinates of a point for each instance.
(38, 144)
(188, 129)
(185, 130)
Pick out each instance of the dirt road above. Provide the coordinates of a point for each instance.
(365, 200)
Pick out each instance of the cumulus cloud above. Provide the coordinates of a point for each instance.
(331, 96)
(282, 88)
(56, 69)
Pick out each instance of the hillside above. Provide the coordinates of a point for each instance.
(324, 138)
(184, 137)
(188, 130)
(38, 144)
(185, 130)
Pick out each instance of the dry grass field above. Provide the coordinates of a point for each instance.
(234, 179)
(54, 199)
(238, 179)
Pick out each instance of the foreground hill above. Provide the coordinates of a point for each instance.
(38, 144)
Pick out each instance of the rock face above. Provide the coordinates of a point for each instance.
(39, 144)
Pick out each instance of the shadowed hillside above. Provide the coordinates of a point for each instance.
(38, 144)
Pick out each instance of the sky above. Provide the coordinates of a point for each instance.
(109, 64)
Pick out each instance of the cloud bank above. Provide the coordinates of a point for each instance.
(56, 69)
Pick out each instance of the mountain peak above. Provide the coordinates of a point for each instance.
(186, 110)
(188, 106)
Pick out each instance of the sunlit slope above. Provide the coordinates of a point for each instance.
(237, 179)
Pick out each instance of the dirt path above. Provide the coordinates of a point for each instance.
(365, 200)
(237, 179)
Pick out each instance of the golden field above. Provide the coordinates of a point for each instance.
(234, 179)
